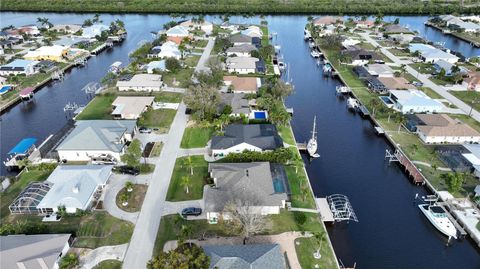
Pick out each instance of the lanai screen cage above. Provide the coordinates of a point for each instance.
(27, 201)
(341, 208)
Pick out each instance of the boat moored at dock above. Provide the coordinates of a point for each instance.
(21, 151)
(312, 143)
(438, 217)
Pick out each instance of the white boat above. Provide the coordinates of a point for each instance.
(311, 44)
(343, 89)
(438, 217)
(312, 143)
(352, 103)
(315, 54)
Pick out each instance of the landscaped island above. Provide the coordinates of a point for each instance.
(249, 6)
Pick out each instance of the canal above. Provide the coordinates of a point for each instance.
(391, 232)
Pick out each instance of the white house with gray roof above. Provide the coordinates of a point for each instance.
(37, 251)
(258, 256)
(75, 187)
(243, 50)
(241, 65)
(141, 82)
(92, 138)
(261, 186)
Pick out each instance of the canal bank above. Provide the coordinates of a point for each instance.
(391, 232)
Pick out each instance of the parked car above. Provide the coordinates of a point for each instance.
(144, 130)
(104, 159)
(417, 84)
(191, 211)
(127, 170)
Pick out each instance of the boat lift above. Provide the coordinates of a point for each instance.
(341, 208)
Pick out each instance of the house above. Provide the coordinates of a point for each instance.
(54, 53)
(238, 138)
(396, 29)
(66, 28)
(472, 82)
(242, 84)
(365, 24)
(205, 26)
(92, 138)
(241, 106)
(31, 30)
(449, 68)
(440, 129)
(380, 70)
(414, 101)
(401, 38)
(176, 39)
(361, 56)
(261, 186)
(34, 251)
(396, 83)
(141, 82)
(467, 26)
(94, 30)
(253, 31)
(169, 49)
(326, 20)
(472, 155)
(361, 72)
(71, 41)
(349, 42)
(240, 39)
(375, 85)
(431, 54)
(262, 256)
(155, 66)
(75, 187)
(243, 50)
(131, 107)
(241, 65)
(19, 66)
(178, 31)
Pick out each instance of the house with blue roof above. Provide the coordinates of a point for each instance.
(19, 66)
(414, 101)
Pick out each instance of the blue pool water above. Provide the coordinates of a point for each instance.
(260, 115)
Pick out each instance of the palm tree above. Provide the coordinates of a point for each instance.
(24, 163)
(187, 162)
(185, 183)
(182, 48)
(186, 232)
(374, 103)
(296, 161)
(400, 119)
(319, 240)
(305, 191)
(120, 23)
(403, 69)
(129, 186)
(124, 198)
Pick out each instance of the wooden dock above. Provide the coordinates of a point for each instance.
(302, 146)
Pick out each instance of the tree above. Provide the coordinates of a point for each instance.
(266, 52)
(396, 21)
(305, 192)
(245, 218)
(281, 89)
(414, 148)
(24, 163)
(202, 100)
(296, 161)
(182, 49)
(403, 69)
(186, 183)
(87, 22)
(279, 115)
(187, 162)
(124, 198)
(400, 119)
(96, 18)
(183, 257)
(120, 23)
(133, 154)
(319, 240)
(172, 64)
(374, 103)
(300, 218)
(454, 181)
(221, 121)
(44, 22)
(129, 186)
(69, 261)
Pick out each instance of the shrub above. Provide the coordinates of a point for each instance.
(300, 218)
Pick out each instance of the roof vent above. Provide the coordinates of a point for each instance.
(76, 188)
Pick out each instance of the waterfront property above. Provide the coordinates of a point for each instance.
(259, 187)
(54, 53)
(34, 251)
(19, 66)
(242, 84)
(380, 70)
(414, 101)
(168, 49)
(244, 50)
(141, 82)
(178, 31)
(473, 157)
(472, 81)
(243, 65)
(430, 54)
(93, 138)
(265, 256)
(94, 30)
(359, 56)
(396, 83)
(74, 187)
(239, 137)
(131, 107)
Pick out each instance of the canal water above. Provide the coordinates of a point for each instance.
(391, 232)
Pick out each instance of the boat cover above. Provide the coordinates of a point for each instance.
(23, 146)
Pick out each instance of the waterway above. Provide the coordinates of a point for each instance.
(391, 232)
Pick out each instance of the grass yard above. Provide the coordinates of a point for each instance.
(7, 197)
(100, 108)
(471, 98)
(196, 137)
(157, 149)
(109, 264)
(101, 229)
(305, 247)
(431, 93)
(297, 180)
(182, 77)
(286, 134)
(424, 68)
(157, 118)
(135, 200)
(200, 173)
(168, 97)
(399, 53)
(192, 60)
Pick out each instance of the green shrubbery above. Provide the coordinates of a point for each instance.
(282, 155)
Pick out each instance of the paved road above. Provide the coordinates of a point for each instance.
(100, 254)
(426, 81)
(205, 56)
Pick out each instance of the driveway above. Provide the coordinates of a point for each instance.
(177, 207)
(115, 185)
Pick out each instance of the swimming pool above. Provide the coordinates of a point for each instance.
(261, 115)
(5, 89)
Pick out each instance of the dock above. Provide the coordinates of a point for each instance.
(363, 111)
(324, 209)
(379, 130)
(302, 146)
(290, 110)
(446, 208)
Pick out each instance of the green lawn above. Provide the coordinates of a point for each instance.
(298, 180)
(430, 93)
(286, 134)
(135, 200)
(168, 97)
(305, 247)
(157, 118)
(183, 77)
(100, 108)
(399, 53)
(196, 137)
(12, 192)
(109, 264)
(471, 98)
(200, 173)
(424, 68)
(192, 60)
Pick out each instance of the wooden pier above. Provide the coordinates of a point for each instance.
(302, 146)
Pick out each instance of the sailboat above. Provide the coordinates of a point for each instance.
(312, 143)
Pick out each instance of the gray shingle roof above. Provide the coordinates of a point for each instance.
(265, 256)
(237, 101)
(263, 136)
(253, 181)
(240, 38)
(241, 48)
(97, 135)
